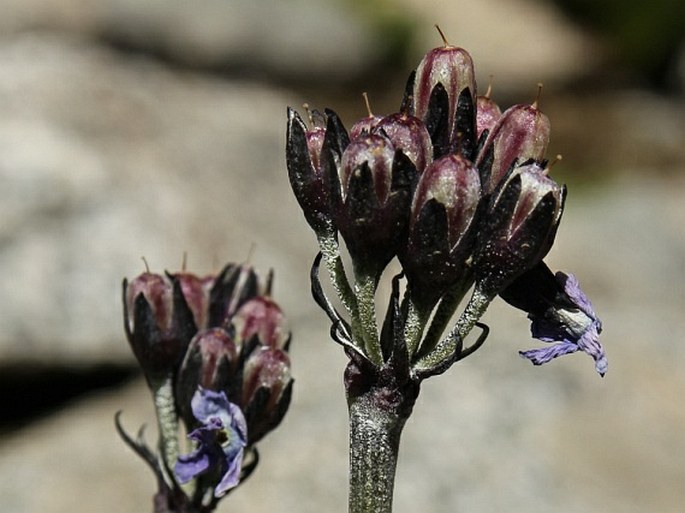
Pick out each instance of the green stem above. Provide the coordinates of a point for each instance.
(167, 420)
(414, 326)
(365, 291)
(331, 255)
(374, 444)
(444, 350)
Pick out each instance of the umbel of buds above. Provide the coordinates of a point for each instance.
(460, 192)
(214, 352)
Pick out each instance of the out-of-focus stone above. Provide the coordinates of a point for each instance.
(298, 39)
(518, 43)
(104, 160)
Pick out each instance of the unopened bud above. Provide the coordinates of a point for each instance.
(266, 393)
(445, 80)
(158, 323)
(519, 227)
(521, 134)
(409, 134)
(260, 317)
(442, 227)
(210, 362)
(373, 201)
(488, 114)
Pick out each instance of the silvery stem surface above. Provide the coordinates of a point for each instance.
(167, 420)
(374, 444)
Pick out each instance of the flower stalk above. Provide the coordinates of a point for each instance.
(460, 194)
(374, 448)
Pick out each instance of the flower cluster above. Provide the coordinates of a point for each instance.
(460, 193)
(214, 351)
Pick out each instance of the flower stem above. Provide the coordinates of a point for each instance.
(167, 420)
(374, 444)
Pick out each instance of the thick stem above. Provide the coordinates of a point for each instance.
(374, 444)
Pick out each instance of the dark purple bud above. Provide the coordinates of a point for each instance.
(442, 228)
(263, 318)
(488, 114)
(521, 134)
(372, 200)
(267, 386)
(444, 98)
(365, 125)
(303, 160)
(210, 362)
(234, 286)
(196, 292)
(158, 323)
(315, 137)
(519, 226)
(409, 134)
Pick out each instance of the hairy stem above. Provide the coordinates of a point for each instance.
(374, 444)
(167, 421)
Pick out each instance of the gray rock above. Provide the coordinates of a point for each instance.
(300, 39)
(106, 160)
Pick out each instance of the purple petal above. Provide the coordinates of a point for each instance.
(232, 476)
(238, 422)
(207, 404)
(547, 354)
(190, 465)
(573, 290)
(589, 343)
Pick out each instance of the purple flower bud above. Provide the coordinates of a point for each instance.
(315, 138)
(196, 293)
(234, 286)
(488, 114)
(372, 200)
(409, 134)
(303, 159)
(364, 126)
(267, 388)
(158, 323)
(442, 227)
(444, 98)
(263, 318)
(210, 362)
(521, 134)
(519, 226)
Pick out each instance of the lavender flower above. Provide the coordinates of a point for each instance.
(575, 327)
(221, 439)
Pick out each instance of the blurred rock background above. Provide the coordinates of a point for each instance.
(154, 128)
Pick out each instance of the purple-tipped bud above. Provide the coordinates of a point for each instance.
(303, 159)
(488, 114)
(263, 318)
(210, 362)
(234, 286)
(158, 323)
(519, 226)
(521, 134)
(444, 98)
(372, 200)
(315, 138)
(196, 293)
(267, 386)
(442, 227)
(409, 134)
(364, 126)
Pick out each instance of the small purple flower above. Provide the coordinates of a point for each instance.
(575, 329)
(221, 439)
